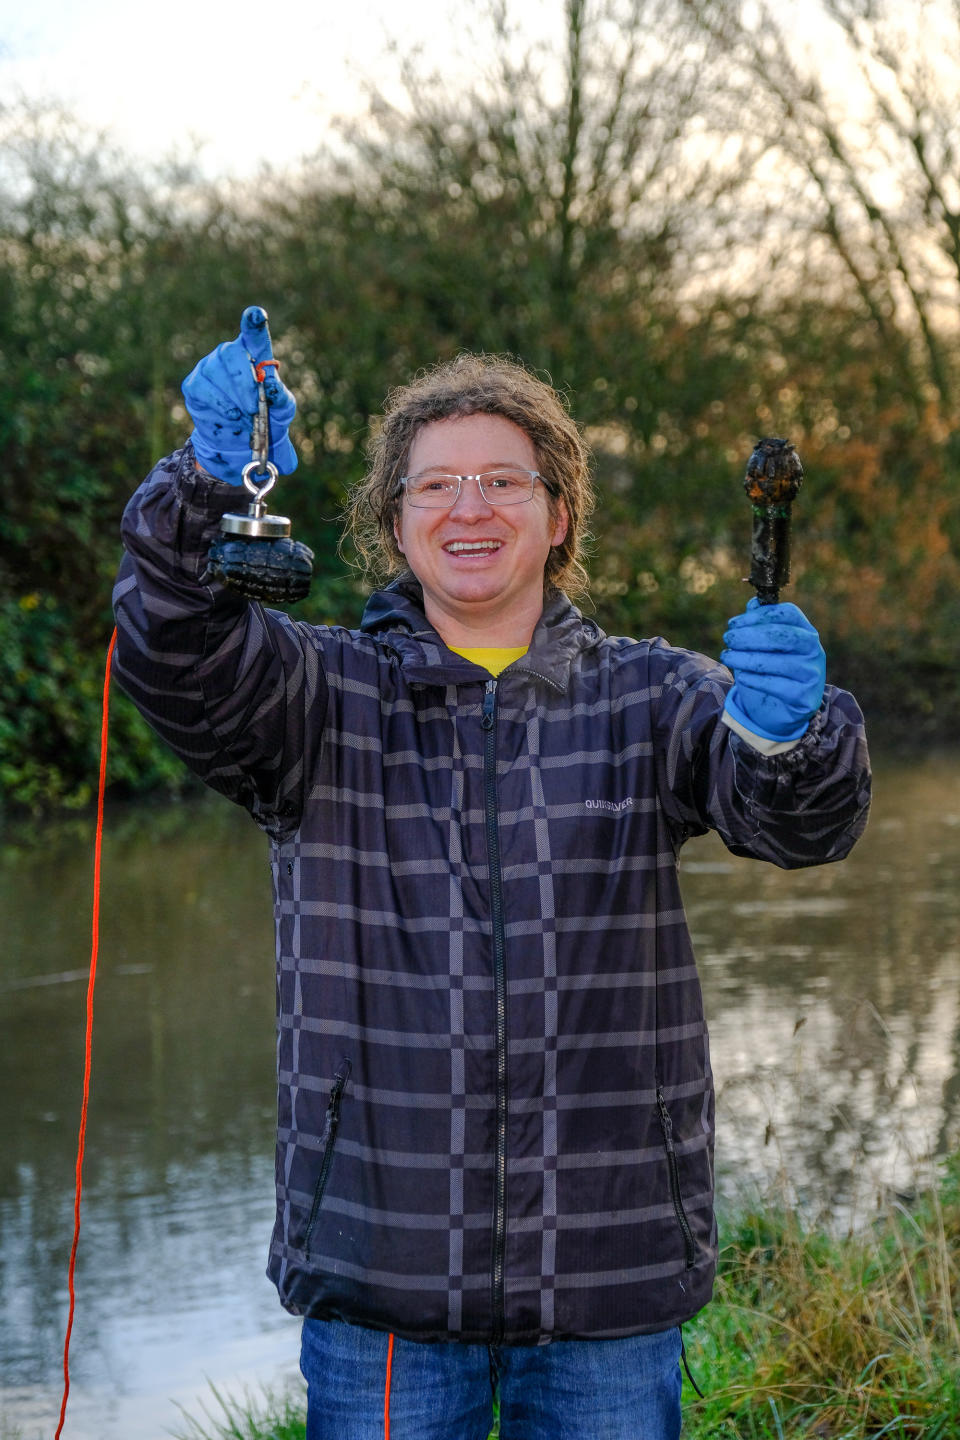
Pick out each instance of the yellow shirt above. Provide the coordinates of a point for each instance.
(493, 659)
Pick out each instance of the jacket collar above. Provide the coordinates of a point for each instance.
(395, 617)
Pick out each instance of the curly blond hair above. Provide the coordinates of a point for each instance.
(473, 385)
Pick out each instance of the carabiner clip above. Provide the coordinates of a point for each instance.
(260, 436)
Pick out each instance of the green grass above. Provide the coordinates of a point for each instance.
(272, 1417)
(810, 1336)
(849, 1338)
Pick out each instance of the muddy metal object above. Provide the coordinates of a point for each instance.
(278, 572)
(774, 475)
(254, 553)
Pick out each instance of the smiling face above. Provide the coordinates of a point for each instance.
(481, 566)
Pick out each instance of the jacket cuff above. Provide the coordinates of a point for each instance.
(759, 742)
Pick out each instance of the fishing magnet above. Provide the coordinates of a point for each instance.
(774, 476)
(254, 553)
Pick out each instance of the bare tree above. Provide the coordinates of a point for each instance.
(584, 170)
(861, 140)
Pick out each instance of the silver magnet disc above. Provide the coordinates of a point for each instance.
(256, 527)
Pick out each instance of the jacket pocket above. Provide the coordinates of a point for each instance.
(330, 1128)
(673, 1172)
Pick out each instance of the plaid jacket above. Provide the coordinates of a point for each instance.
(495, 1100)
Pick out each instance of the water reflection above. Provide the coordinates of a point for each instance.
(178, 1173)
(833, 1001)
(832, 996)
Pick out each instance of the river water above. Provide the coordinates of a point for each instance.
(834, 1004)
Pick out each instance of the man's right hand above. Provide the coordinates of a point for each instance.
(221, 396)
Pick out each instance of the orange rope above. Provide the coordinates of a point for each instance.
(386, 1396)
(88, 1045)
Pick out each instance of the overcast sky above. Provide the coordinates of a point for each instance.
(252, 78)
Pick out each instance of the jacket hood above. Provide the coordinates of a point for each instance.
(394, 615)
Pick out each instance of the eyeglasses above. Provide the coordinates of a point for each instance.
(507, 485)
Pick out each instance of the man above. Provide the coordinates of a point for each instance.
(495, 1131)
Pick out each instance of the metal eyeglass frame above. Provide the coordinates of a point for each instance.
(479, 477)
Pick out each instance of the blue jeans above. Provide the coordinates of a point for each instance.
(568, 1390)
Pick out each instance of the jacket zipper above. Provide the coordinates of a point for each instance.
(330, 1128)
(666, 1125)
(488, 724)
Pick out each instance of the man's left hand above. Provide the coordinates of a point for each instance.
(779, 669)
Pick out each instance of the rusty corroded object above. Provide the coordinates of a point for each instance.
(774, 475)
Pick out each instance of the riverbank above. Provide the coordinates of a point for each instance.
(810, 1334)
(855, 1336)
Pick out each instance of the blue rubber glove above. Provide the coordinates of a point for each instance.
(779, 669)
(221, 396)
